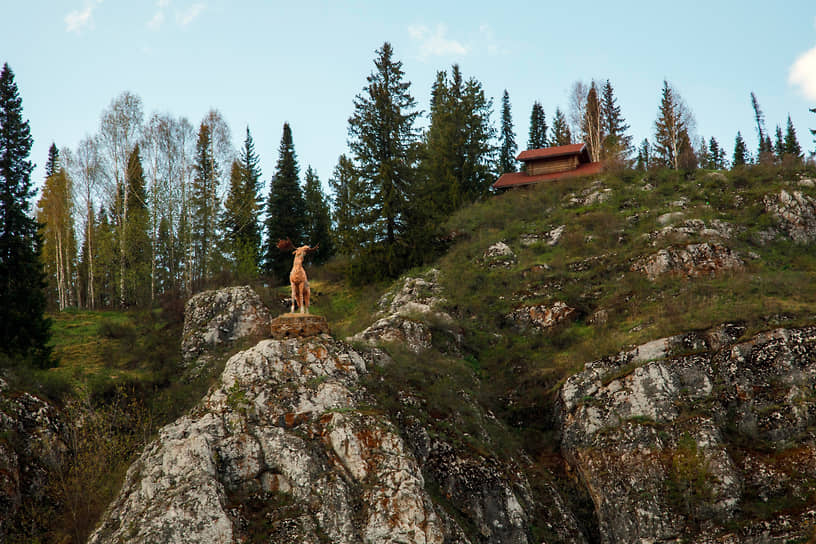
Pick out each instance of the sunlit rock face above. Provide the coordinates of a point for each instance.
(678, 439)
(287, 447)
(283, 429)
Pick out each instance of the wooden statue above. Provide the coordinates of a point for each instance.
(297, 277)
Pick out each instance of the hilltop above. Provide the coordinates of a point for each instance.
(628, 357)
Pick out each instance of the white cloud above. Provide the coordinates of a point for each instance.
(434, 43)
(77, 20)
(803, 74)
(184, 18)
(156, 22)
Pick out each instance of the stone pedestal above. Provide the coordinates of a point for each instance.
(298, 326)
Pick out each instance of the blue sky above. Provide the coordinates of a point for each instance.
(265, 62)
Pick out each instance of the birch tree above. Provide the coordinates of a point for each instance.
(119, 131)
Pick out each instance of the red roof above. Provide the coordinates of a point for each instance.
(550, 152)
(518, 179)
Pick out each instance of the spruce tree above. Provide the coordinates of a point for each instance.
(318, 218)
(644, 157)
(384, 145)
(24, 329)
(791, 145)
(740, 152)
(765, 150)
(779, 145)
(137, 229)
(203, 205)
(538, 127)
(351, 207)
(507, 138)
(457, 158)
(560, 129)
(285, 208)
(716, 155)
(616, 143)
(52, 165)
(813, 130)
(242, 233)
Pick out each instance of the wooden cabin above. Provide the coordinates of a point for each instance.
(549, 164)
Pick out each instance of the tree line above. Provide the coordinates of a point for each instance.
(148, 207)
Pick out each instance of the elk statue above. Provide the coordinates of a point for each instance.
(297, 277)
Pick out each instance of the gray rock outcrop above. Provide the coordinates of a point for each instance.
(284, 427)
(795, 214)
(409, 315)
(32, 440)
(215, 318)
(693, 260)
(681, 438)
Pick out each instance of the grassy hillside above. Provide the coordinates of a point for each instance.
(610, 224)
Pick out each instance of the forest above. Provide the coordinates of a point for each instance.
(153, 206)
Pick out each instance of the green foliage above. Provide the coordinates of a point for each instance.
(240, 222)
(204, 204)
(285, 208)
(560, 130)
(138, 246)
(318, 218)
(538, 127)
(507, 138)
(384, 146)
(691, 480)
(24, 330)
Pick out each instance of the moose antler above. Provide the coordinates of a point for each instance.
(286, 245)
(313, 248)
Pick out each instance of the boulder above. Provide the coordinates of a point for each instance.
(551, 237)
(499, 255)
(215, 318)
(409, 315)
(795, 214)
(693, 260)
(540, 316)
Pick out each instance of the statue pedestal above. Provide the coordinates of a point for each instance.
(298, 326)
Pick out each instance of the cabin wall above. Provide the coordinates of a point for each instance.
(549, 166)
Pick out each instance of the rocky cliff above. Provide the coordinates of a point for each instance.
(698, 437)
(289, 445)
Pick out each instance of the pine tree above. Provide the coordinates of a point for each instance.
(644, 157)
(137, 229)
(204, 205)
(538, 127)
(791, 145)
(616, 144)
(24, 329)
(318, 218)
(740, 152)
(560, 130)
(384, 144)
(507, 138)
(285, 208)
(813, 130)
(251, 173)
